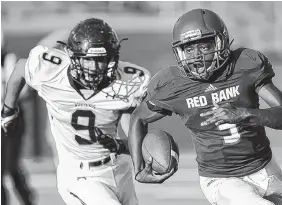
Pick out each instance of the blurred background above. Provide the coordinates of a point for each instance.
(148, 25)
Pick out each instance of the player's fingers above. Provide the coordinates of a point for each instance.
(148, 165)
(4, 129)
(211, 112)
(103, 136)
(142, 164)
(98, 131)
(221, 113)
(215, 104)
(208, 121)
(220, 122)
(221, 119)
(105, 141)
(225, 105)
(213, 119)
(165, 176)
(217, 118)
(204, 114)
(150, 160)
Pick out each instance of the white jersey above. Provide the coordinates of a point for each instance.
(74, 114)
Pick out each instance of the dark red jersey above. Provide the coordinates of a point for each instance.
(229, 149)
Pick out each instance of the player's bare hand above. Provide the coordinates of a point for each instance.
(225, 113)
(148, 175)
(9, 119)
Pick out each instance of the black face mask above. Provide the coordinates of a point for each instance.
(87, 77)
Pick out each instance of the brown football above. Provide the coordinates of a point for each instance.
(161, 146)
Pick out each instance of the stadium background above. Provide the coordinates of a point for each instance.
(148, 25)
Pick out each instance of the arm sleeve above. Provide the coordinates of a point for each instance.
(142, 92)
(159, 109)
(258, 67)
(33, 66)
(157, 92)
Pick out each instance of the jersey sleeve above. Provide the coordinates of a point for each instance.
(33, 67)
(257, 67)
(42, 65)
(158, 93)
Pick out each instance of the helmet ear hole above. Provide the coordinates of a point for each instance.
(225, 54)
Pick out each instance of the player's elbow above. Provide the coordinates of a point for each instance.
(137, 130)
(137, 122)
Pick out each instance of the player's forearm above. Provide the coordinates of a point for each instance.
(271, 117)
(15, 84)
(137, 132)
(14, 87)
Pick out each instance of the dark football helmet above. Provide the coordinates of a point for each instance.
(94, 42)
(200, 25)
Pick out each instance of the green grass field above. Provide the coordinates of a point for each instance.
(152, 51)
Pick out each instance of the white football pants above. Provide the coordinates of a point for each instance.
(108, 184)
(247, 190)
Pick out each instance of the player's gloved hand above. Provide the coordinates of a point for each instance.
(147, 175)
(225, 113)
(9, 118)
(114, 145)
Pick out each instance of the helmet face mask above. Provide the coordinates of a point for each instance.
(200, 44)
(93, 48)
(197, 58)
(89, 72)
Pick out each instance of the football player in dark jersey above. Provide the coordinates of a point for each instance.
(215, 92)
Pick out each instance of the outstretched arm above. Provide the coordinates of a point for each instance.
(271, 117)
(119, 146)
(15, 85)
(9, 113)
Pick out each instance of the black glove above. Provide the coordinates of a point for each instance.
(114, 145)
(148, 175)
(9, 119)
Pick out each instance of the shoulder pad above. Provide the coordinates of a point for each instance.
(45, 63)
(249, 59)
(161, 79)
(255, 65)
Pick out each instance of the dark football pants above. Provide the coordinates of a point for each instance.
(10, 164)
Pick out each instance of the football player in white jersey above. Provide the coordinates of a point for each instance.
(88, 91)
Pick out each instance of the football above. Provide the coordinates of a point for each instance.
(161, 146)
